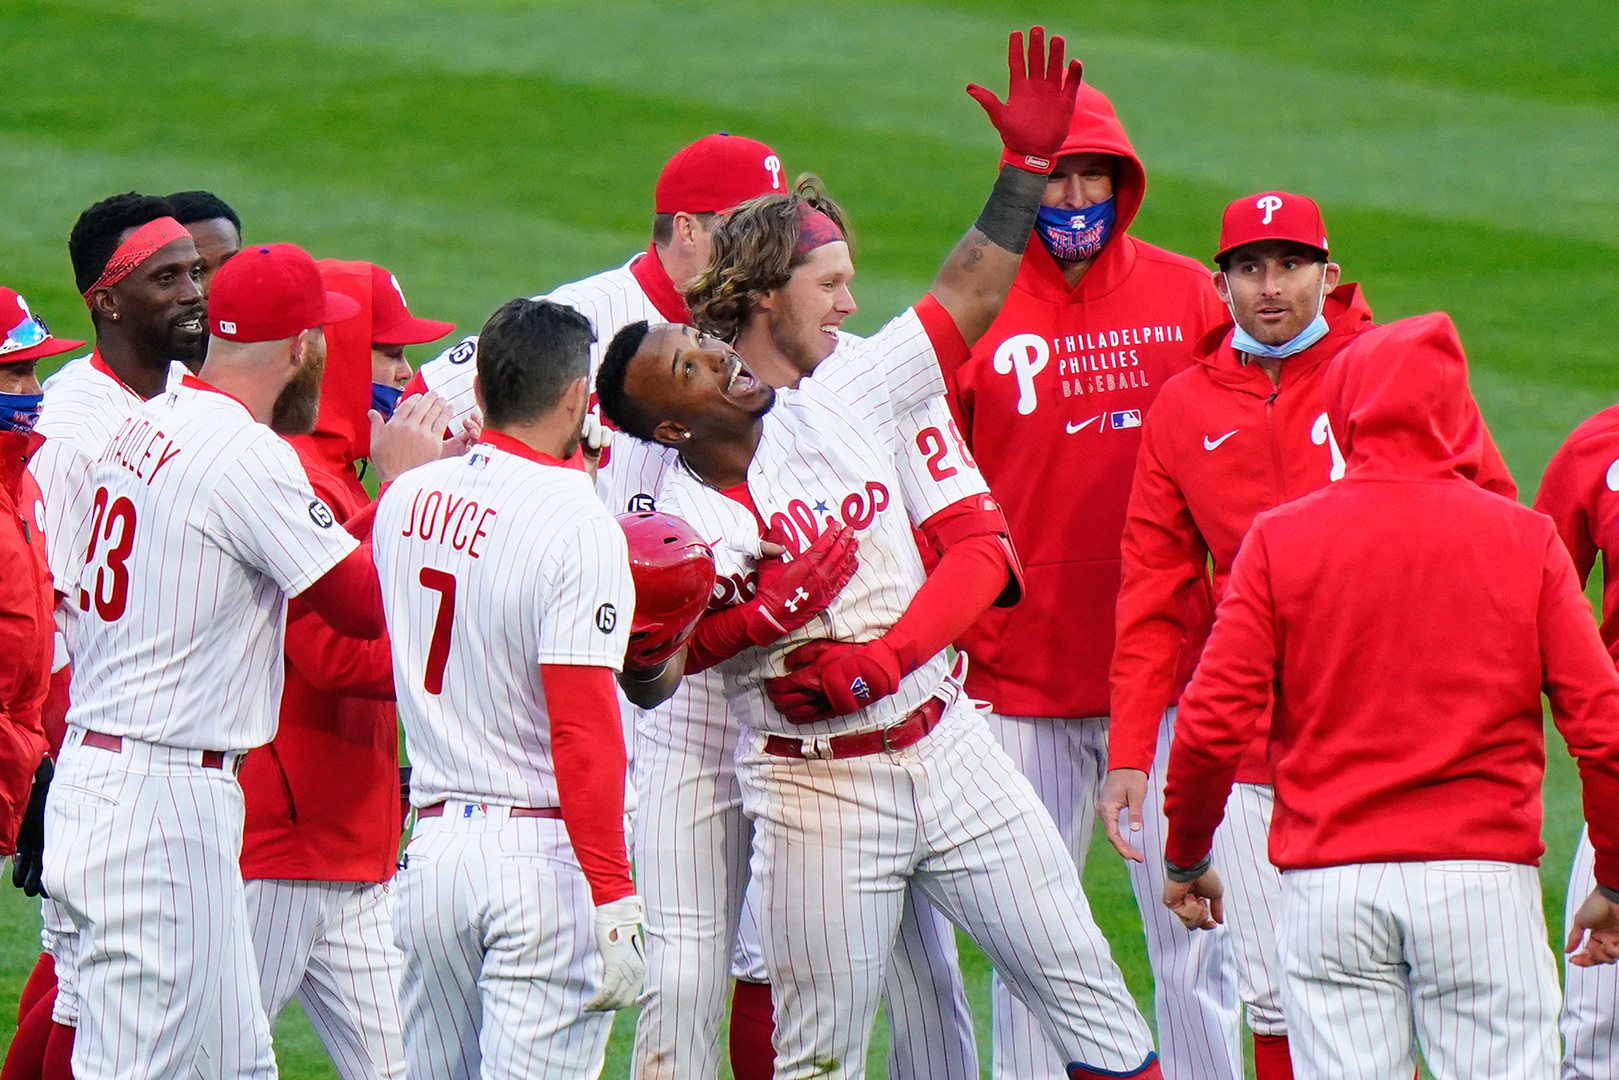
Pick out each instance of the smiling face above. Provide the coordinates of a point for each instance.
(160, 304)
(804, 315)
(694, 387)
(1078, 181)
(1275, 288)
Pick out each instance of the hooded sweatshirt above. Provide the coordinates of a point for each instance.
(1051, 403)
(1580, 492)
(1221, 444)
(1407, 621)
(323, 798)
(27, 630)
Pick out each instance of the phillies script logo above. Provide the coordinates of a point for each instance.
(798, 528)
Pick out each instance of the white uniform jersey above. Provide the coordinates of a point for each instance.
(202, 523)
(611, 300)
(826, 455)
(491, 565)
(85, 405)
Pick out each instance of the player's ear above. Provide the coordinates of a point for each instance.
(477, 394)
(1221, 289)
(671, 433)
(1334, 273)
(577, 397)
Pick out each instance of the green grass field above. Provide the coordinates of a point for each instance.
(1467, 157)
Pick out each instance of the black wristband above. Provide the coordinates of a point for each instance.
(1611, 894)
(1008, 216)
(1183, 874)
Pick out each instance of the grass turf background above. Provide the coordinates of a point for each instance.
(1467, 157)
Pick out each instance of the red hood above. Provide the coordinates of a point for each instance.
(1399, 404)
(1348, 316)
(342, 432)
(1096, 130)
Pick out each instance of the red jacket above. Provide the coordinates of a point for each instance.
(323, 796)
(1580, 492)
(1222, 444)
(1051, 403)
(27, 631)
(1407, 621)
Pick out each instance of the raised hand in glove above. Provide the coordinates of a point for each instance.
(1033, 122)
(792, 593)
(623, 951)
(29, 861)
(832, 678)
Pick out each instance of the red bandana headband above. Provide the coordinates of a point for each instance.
(136, 249)
(815, 229)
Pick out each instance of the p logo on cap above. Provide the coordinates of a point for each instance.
(1270, 204)
(1281, 216)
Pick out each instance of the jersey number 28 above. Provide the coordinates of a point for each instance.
(108, 520)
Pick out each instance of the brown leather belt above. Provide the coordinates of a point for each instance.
(923, 719)
(437, 810)
(211, 759)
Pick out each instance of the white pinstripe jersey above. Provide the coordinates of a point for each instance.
(493, 564)
(827, 453)
(611, 300)
(84, 407)
(202, 524)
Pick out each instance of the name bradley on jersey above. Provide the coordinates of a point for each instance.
(135, 445)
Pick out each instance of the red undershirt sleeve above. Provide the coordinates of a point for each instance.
(949, 346)
(349, 596)
(970, 575)
(719, 636)
(587, 752)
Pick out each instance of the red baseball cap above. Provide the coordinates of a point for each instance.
(271, 292)
(25, 336)
(391, 320)
(716, 173)
(1272, 215)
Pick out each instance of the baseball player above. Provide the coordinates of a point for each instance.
(778, 288)
(1243, 430)
(692, 852)
(1406, 622)
(1051, 405)
(202, 524)
(141, 279)
(28, 653)
(1578, 492)
(322, 826)
(507, 588)
(851, 790)
(213, 226)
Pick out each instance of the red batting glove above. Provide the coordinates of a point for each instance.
(792, 593)
(798, 695)
(1039, 102)
(830, 679)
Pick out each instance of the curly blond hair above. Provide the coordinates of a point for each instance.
(753, 255)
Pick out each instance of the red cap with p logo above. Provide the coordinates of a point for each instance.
(1272, 215)
(717, 173)
(271, 292)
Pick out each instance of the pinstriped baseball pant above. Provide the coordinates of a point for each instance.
(497, 927)
(1253, 903)
(1590, 1020)
(142, 848)
(331, 944)
(837, 841)
(1379, 957)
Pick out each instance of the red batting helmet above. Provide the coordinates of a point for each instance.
(673, 570)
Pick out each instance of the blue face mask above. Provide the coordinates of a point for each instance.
(1244, 342)
(385, 398)
(19, 412)
(1075, 235)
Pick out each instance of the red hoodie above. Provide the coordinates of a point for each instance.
(1581, 493)
(27, 630)
(1222, 444)
(1051, 403)
(323, 796)
(1407, 621)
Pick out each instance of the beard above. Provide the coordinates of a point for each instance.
(795, 339)
(298, 404)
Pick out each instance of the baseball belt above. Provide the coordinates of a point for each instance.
(210, 759)
(437, 810)
(923, 719)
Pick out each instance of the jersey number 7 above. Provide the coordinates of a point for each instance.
(438, 651)
(112, 578)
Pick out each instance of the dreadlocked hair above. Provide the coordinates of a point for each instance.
(754, 255)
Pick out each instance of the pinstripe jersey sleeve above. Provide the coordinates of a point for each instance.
(935, 468)
(588, 597)
(265, 514)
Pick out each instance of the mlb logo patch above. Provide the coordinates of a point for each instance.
(1125, 418)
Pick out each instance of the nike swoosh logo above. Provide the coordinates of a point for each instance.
(1073, 428)
(1214, 444)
